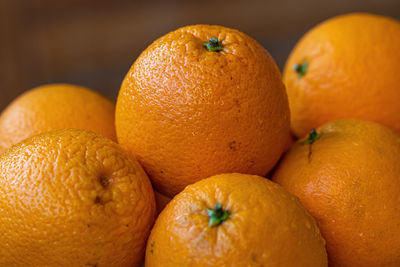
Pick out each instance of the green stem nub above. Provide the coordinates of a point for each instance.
(312, 137)
(217, 215)
(213, 45)
(301, 68)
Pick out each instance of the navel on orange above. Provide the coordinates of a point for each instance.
(235, 220)
(200, 101)
(53, 107)
(345, 67)
(347, 175)
(73, 198)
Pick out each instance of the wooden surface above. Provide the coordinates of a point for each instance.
(94, 42)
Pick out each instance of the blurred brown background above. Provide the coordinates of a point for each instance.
(94, 42)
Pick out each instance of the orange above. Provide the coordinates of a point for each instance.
(345, 67)
(53, 107)
(235, 220)
(347, 175)
(200, 101)
(73, 198)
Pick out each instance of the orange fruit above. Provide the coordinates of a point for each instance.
(200, 101)
(53, 107)
(347, 175)
(73, 198)
(235, 220)
(345, 67)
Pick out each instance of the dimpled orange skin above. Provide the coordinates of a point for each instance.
(267, 227)
(73, 198)
(187, 113)
(53, 107)
(351, 185)
(353, 72)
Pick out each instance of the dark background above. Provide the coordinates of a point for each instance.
(94, 42)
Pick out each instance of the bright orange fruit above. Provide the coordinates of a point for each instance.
(53, 107)
(200, 101)
(345, 67)
(347, 175)
(235, 220)
(73, 198)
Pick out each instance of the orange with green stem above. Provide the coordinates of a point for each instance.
(200, 101)
(346, 173)
(235, 220)
(345, 67)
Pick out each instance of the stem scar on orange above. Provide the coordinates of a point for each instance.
(200, 101)
(217, 215)
(213, 45)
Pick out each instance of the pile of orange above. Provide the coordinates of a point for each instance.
(202, 116)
